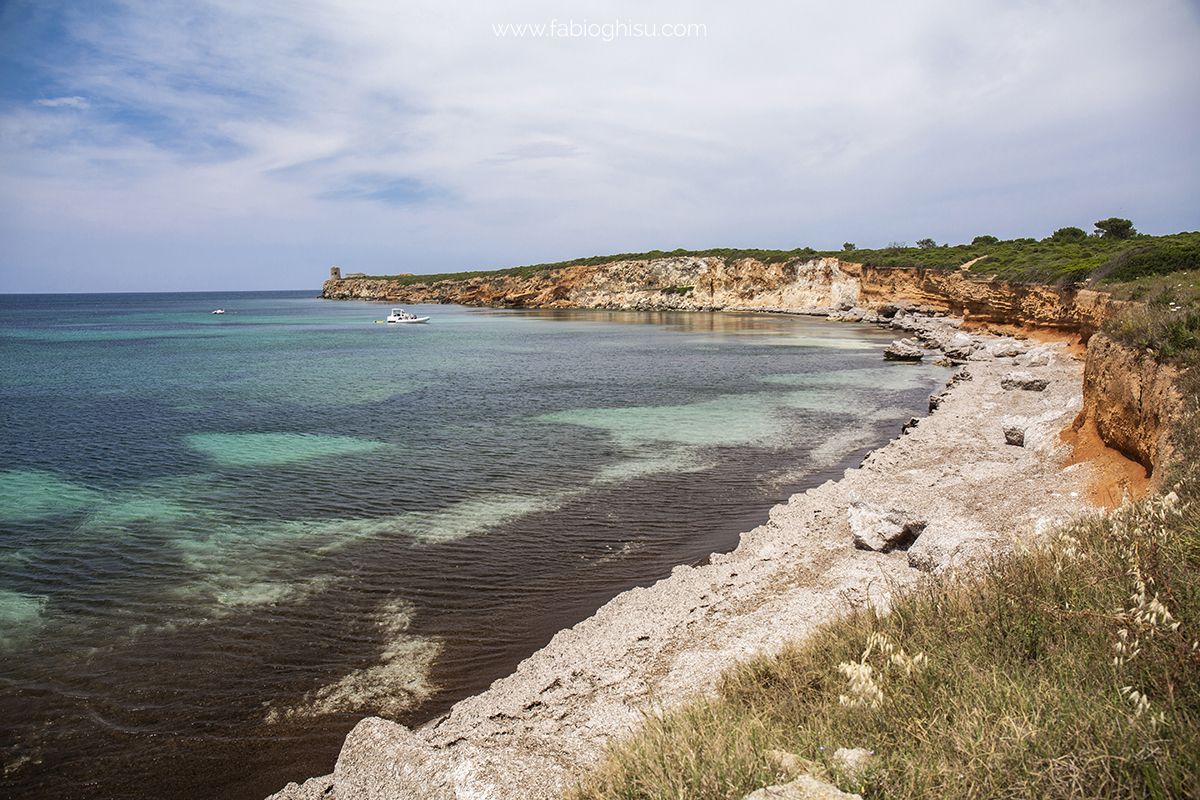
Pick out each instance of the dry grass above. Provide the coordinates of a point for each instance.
(1168, 331)
(1179, 287)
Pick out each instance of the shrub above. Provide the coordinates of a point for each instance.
(1115, 228)
(1170, 331)
(1070, 234)
(1156, 257)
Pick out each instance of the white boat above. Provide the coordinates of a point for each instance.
(400, 315)
(219, 311)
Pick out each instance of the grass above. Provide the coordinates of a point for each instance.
(1167, 323)
(1070, 669)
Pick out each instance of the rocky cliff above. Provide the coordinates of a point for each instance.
(691, 283)
(1130, 400)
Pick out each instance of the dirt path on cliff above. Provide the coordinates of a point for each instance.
(955, 475)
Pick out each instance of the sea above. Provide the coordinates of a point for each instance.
(226, 538)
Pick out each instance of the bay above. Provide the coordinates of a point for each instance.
(225, 538)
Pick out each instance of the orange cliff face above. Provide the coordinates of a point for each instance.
(693, 283)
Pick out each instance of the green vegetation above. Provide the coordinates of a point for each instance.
(1167, 326)
(1071, 669)
(1068, 256)
(1153, 256)
(1180, 288)
(1069, 234)
(1115, 228)
(1064, 257)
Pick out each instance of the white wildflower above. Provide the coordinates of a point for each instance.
(865, 691)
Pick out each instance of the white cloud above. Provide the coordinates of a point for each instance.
(411, 137)
(70, 102)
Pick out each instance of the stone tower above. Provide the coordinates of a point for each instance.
(335, 273)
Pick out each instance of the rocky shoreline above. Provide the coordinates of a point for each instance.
(948, 493)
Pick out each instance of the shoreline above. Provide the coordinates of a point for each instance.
(954, 474)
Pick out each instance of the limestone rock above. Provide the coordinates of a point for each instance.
(960, 346)
(856, 314)
(788, 765)
(382, 760)
(947, 545)
(1006, 348)
(803, 788)
(853, 762)
(883, 529)
(1038, 357)
(321, 788)
(962, 375)
(1024, 381)
(1014, 434)
(935, 400)
(904, 350)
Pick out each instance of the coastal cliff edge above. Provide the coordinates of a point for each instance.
(812, 285)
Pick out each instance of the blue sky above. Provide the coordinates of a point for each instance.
(220, 145)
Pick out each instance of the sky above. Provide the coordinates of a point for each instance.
(214, 145)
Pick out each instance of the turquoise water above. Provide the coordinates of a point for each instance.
(226, 538)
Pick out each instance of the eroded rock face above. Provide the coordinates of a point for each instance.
(845, 289)
(1130, 399)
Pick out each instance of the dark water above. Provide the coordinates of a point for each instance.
(226, 538)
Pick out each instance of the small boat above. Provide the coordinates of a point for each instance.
(219, 311)
(400, 315)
